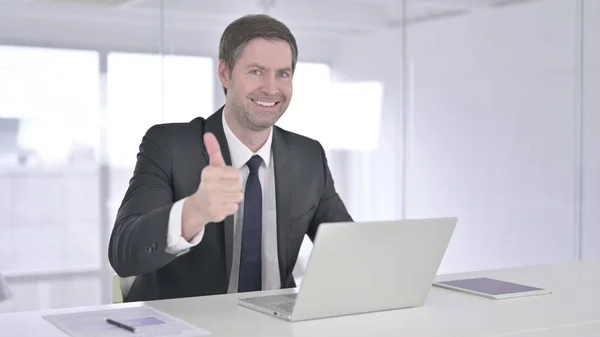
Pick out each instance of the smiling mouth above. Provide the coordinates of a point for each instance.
(265, 104)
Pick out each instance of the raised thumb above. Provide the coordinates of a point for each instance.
(214, 150)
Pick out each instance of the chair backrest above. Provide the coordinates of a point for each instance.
(4, 291)
(121, 286)
(117, 295)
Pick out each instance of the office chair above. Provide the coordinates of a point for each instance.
(4, 290)
(121, 286)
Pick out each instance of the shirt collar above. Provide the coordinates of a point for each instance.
(240, 153)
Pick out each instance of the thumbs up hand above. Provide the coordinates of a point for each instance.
(218, 196)
(214, 150)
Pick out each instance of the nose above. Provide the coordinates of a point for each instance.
(269, 86)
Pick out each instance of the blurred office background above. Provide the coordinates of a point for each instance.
(483, 109)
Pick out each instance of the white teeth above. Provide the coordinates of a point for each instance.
(267, 104)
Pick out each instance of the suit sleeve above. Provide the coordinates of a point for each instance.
(331, 208)
(138, 243)
(176, 244)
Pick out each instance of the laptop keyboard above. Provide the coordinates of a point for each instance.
(286, 305)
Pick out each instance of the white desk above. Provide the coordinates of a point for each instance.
(590, 329)
(575, 302)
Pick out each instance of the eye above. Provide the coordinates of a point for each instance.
(284, 74)
(255, 72)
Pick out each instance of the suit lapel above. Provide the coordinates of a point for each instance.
(284, 185)
(214, 125)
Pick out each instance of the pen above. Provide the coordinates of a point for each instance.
(121, 325)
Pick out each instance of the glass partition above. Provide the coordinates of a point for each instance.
(481, 110)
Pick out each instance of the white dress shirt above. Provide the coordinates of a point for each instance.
(240, 154)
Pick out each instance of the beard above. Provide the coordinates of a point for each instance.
(253, 117)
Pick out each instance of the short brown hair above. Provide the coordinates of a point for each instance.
(243, 30)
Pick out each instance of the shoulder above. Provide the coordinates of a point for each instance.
(297, 143)
(177, 132)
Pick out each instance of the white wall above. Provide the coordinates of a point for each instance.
(493, 133)
(591, 120)
(492, 120)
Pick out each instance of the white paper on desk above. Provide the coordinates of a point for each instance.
(147, 320)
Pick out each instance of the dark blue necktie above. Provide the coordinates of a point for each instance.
(250, 278)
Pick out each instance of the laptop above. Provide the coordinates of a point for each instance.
(361, 267)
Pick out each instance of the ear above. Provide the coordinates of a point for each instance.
(223, 74)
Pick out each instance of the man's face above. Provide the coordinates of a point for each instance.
(259, 87)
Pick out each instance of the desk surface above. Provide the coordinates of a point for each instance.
(574, 304)
(590, 329)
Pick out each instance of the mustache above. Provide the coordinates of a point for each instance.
(266, 97)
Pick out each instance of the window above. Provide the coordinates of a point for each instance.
(145, 89)
(51, 96)
(50, 127)
(49, 179)
(322, 109)
(307, 113)
(355, 115)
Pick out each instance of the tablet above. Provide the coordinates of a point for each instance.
(491, 288)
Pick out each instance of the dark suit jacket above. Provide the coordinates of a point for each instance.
(168, 168)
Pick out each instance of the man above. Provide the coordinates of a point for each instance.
(221, 205)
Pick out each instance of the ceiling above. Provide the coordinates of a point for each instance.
(194, 26)
(343, 16)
